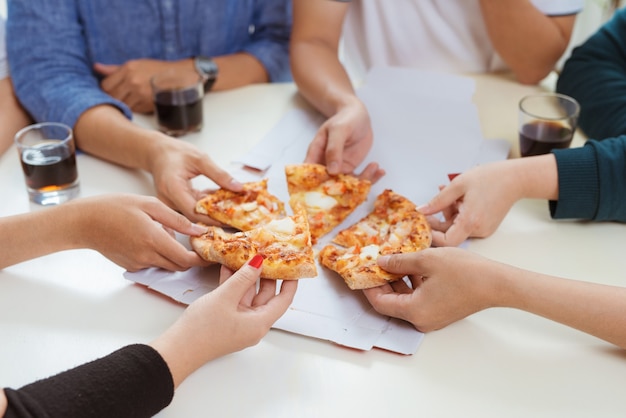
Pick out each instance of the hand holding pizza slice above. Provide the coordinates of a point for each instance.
(394, 226)
(284, 243)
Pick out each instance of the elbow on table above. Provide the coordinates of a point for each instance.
(532, 76)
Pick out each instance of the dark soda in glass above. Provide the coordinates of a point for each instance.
(48, 167)
(540, 137)
(179, 112)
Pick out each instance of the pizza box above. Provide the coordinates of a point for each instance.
(416, 145)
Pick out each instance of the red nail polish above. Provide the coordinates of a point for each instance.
(451, 176)
(256, 261)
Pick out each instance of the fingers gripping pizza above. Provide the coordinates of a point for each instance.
(284, 243)
(244, 210)
(394, 226)
(328, 200)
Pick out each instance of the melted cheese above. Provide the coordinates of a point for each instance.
(249, 206)
(285, 226)
(369, 251)
(319, 200)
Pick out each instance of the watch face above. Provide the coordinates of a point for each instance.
(207, 67)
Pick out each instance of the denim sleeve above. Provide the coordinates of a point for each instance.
(592, 181)
(270, 42)
(48, 60)
(595, 75)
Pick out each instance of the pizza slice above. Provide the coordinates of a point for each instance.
(394, 226)
(328, 200)
(244, 210)
(284, 243)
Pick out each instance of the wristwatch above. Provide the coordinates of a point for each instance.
(207, 68)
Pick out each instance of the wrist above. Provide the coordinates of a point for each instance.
(537, 177)
(348, 101)
(207, 68)
(157, 147)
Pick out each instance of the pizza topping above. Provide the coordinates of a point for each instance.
(394, 226)
(327, 199)
(244, 210)
(250, 206)
(285, 226)
(318, 200)
(285, 243)
(369, 251)
(334, 188)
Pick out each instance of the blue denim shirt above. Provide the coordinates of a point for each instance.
(53, 44)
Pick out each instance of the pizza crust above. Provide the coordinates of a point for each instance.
(358, 274)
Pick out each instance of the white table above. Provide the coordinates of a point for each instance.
(68, 308)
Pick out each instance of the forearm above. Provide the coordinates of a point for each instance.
(105, 132)
(536, 177)
(181, 358)
(528, 41)
(131, 382)
(592, 308)
(12, 117)
(238, 70)
(326, 86)
(31, 235)
(314, 49)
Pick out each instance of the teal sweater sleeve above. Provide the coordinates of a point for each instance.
(592, 181)
(595, 75)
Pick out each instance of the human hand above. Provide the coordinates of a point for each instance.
(343, 141)
(173, 165)
(130, 82)
(448, 284)
(230, 318)
(473, 204)
(134, 231)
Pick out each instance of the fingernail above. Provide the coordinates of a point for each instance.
(333, 167)
(256, 261)
(199, 229)
(383, 260)
(423, 208)
(235, 185)
(451, 176)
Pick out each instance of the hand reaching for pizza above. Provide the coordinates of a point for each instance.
(449, 284)
(232, 317)
(173, 165)
(343, 141)
(132, 231)
(474, 203)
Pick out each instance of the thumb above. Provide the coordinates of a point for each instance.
(406, 264)
(240, 282)
(105, 69)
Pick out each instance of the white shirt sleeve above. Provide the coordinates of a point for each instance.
(559, 7)
(4, 66)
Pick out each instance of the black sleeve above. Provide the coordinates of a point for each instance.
(131, 382)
